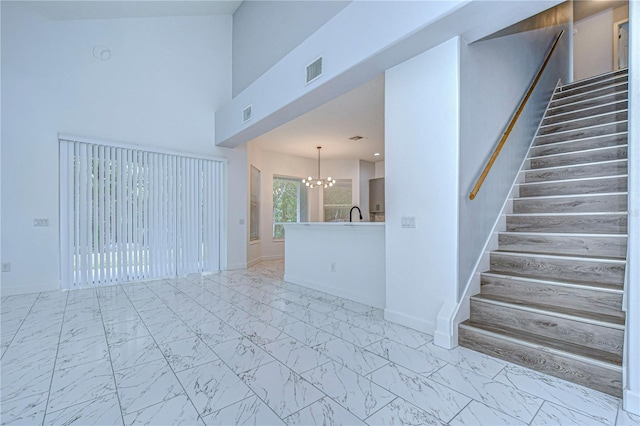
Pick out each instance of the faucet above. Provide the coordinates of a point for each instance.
(351, 211)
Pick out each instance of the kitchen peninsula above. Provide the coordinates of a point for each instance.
(340, 258)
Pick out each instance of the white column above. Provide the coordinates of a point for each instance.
(421, 167)
(631, 392)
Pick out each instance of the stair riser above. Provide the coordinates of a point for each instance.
(585, 374)
(584, 122)
(587, 132)
(587, 245)
(579, 145)
(618, 88)
(580, 157)
(550, 268)
(580, 333)
(594, 224)
(602, 302)
(614, 168)
(585, 186)
(589, 87)
(587, 103)
(583, 113)
(586, 204)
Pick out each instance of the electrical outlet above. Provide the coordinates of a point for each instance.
(333, 266)
(408, 222)
(41, 222)
(241, 222)
(6, 266)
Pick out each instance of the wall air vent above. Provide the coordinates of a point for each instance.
(246, 114)
(314, 70)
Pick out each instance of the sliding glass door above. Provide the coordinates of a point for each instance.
(128, 214)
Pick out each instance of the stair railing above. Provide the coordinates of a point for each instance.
(512, 123)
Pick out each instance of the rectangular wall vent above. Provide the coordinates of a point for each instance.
(314, 70)
(246, 114)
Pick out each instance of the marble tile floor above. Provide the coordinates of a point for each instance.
(245, 347)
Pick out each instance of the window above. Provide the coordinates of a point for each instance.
(289, 203)
(128, 214)
(337, 201)
(254, 205)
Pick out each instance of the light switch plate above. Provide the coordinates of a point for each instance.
(408, 222)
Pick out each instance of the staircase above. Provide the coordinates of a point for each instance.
(553, 296)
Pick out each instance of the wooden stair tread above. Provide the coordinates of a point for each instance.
(586, 354)
(612, 260)
(590, 284)
(554, 310)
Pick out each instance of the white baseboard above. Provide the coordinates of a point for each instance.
(265, 258)
(631, 402)
(38, 288)
(254, 262)
(336, 291)
(235, 266)
(419, 324)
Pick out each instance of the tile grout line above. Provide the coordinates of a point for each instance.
(55, 359)
(113, 373)
(21, 323)
(164, 357)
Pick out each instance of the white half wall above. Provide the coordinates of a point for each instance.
(421, 167)
(342, 259)
(159, 88)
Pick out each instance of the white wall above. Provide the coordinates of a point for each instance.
(421, 161)
(497, 72)
(161, 86)
(259, 40)
(379, 169)
(593, 42)
(593, 45)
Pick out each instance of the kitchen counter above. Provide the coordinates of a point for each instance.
(340, 258)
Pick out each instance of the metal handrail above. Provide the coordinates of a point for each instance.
(512, 123)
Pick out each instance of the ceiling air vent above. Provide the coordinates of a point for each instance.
(356, 138)
(246, 114)
(314, 70)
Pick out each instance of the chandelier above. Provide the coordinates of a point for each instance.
(318, 182)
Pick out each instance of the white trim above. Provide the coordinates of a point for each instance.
(419, 324)
(616, 27)
(135, 146)
(265, 258)
(37, 288)
(631, 401)
(235, 266)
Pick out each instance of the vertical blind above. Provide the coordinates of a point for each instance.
(128, 214)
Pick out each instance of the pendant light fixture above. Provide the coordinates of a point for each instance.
(318, 182)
